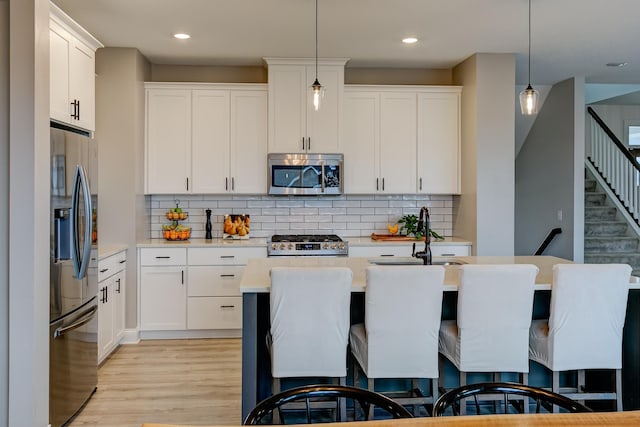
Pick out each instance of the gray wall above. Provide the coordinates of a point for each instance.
(122, 218)
(549, 173)
(484, 211)
(4, 201)
(28, 374)
(221, 74)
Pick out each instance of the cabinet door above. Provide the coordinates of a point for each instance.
(439, 143)
(361, 142)
(248, 158)
(59, 45)
(324, 126)
(163, 293)
(210, 141)
(105, 317)
(287, 108)
(398, 133)
(168, 141)
(82, 84)
(118, 305)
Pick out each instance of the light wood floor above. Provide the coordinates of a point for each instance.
(195, 382)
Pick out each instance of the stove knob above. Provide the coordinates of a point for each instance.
(341, 246)
(325, 246)
(333, 246)
(274, 246)
(290, 246)
(282, 246)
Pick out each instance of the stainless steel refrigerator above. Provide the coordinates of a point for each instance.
(73, 321)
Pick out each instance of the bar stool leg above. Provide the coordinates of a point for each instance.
(463, 402)
(555, 386)
(370, 386)
(619, 389)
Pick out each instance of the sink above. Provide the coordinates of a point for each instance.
(397, 260)
(448, 262)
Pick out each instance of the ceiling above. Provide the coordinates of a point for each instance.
(569, 37)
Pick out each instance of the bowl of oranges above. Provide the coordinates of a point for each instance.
(176, 232)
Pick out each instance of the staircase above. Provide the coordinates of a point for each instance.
(607, 237)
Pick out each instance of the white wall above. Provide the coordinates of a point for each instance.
(485, 210)
(615, 117)
(119, 133)
(550, 175)
(28, 213)
(4, 201)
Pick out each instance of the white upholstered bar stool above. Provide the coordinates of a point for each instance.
(584, 329)
(399, 337)
(310, 316)
(495, 305)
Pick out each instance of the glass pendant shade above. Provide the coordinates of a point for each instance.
(318, 93)
(529, 101)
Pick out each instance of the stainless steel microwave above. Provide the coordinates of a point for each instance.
(305, 174)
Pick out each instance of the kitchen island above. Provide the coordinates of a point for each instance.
(255, 286)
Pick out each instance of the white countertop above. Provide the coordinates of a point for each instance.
(105, 251)
(367, 241)
(202, 243)
(256, 279)
(262, 242)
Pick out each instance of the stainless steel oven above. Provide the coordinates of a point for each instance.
(307, 245)
(305, 174)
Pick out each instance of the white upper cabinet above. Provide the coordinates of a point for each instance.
(206, 139)
(402, 139)
(379, 141)
(168, 141)
(439, 141)
(71, 71)
(294, 125)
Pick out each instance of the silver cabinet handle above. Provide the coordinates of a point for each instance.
(227, 256)
(227, 275)
(420, 184)
(227, 306)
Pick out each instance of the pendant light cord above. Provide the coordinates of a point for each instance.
(529, 42)
(317, 36)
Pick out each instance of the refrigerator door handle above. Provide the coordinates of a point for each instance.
(81, 255)
(85, 317)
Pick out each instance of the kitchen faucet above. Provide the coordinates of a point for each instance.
(424, 225)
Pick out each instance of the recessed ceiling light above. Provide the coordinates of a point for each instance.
(617, 64)
(182, 36)
(409, 40)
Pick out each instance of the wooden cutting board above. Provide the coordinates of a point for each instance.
(394, 238)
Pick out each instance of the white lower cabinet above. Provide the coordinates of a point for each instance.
(163, 293)
(111, 302)
(194, 289)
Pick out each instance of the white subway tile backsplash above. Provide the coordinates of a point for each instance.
(347, 216)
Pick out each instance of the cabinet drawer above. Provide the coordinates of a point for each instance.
(444, 250)
(110, 265)
(214, 313)
(215, 280)
(224, 256)
(377, 251)
(163, 256)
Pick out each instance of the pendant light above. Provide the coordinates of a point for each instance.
(316, 87)
(529, 96)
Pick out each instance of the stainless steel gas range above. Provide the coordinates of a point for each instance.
(307, 245)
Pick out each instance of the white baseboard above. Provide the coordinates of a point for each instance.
(193, 334)
(130, 336)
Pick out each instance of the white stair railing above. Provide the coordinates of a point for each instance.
(614, 163)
